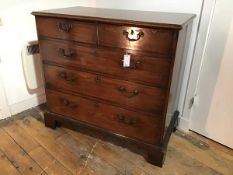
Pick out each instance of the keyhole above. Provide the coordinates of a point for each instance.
(98, 78)
(97, 105)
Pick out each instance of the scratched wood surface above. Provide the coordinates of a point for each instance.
(27, 147)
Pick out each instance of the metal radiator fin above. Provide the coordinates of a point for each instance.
(33, 49)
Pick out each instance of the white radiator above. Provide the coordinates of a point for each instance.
(32, 66)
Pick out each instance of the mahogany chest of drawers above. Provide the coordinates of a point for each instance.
(110, 72)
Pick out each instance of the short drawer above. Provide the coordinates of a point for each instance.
(115, 119)
(124, 93)
(145, 69)
(143, 39)
(67, 29)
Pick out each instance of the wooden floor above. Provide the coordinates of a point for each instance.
(27, 147)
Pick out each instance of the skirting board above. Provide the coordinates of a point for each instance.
(27, 104)
(183, 124)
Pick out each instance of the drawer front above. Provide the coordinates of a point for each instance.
(124, 93)
(67, 29)
(150, 70)
(115, 119)
(143, 39)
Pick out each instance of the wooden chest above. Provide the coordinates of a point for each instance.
(110, 71)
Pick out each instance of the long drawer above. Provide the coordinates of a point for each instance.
(135, 38)
(125, 93)
(67, 29)
(150, 70)
(121, 121)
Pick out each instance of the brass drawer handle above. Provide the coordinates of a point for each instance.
(66, 53)
(136, 65)
(122, 119)
(64, 26)
(131, 35)
(69, 78)
(68, 103)
(124, 91)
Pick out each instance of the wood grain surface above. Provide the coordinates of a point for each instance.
(102, 37)
(151, 70)
(28, 147)
(124, 93)
(131, 17)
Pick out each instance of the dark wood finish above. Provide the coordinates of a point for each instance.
(67, 29)
(115, 119)
(171, 128)
(129, 37)
(173, 21)
(153, 154)
(137, 96)
(87, 86)
(150, 70)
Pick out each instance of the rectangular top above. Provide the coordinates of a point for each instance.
(133, 17)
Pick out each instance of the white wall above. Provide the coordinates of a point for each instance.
(4, 110)
(220, 117)
(212, 115)
(19, 28)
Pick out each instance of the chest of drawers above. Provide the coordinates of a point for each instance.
(87, 86)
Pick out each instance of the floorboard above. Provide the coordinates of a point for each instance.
(17, 156)
(27, 148)
(6, 167)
